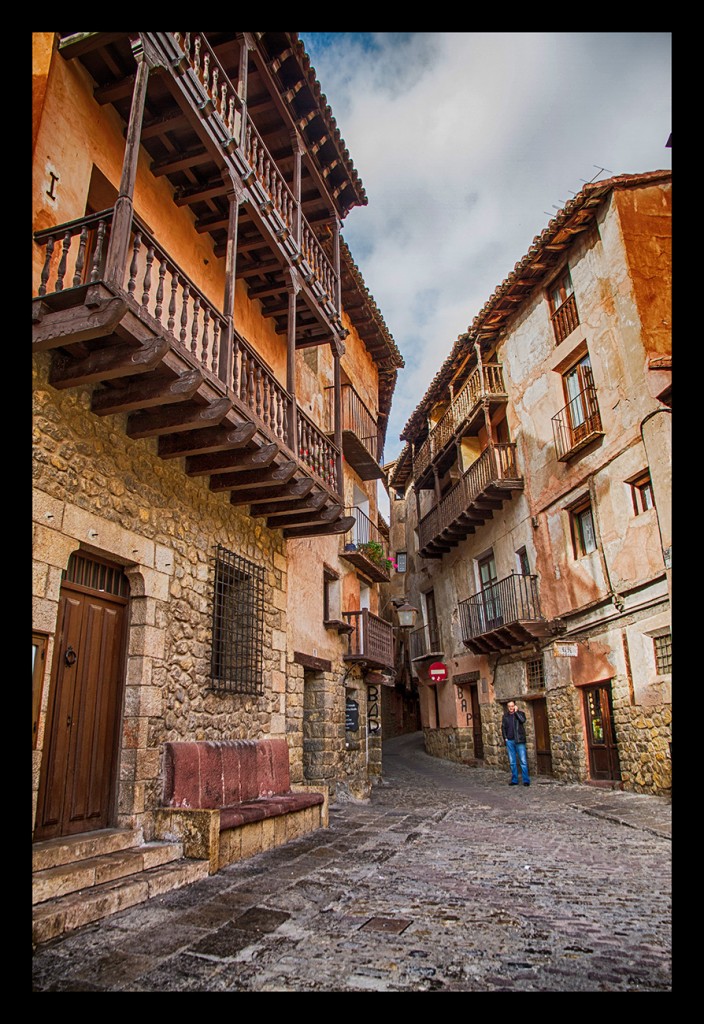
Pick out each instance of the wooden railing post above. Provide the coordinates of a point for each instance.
(116, 260)
(235, 197)
(337, 351)
(293, 289)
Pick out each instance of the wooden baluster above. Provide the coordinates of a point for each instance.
(62, 262)
(98, 255)
(194, 325)
(258, 390)
(214, 90)
(160, 289)
(47, 264)
(206, 72)
(216, 345)
(196, 55)
(235, 362)
(147, 285)
(134, 265)
(205, 339)
(250, 384)
(184, 313)
(187, 44)
(80, 259)
(266, 399)
(172, 302)
(231, 116)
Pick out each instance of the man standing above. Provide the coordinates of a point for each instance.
(514, 734)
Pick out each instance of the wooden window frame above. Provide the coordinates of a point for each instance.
(642, 493)
(577, 513)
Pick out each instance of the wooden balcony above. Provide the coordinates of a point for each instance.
(505, 616)
(367, 549)
(371, 640)
(480, 492)
(577, 425)
(360, 433)
(565, 318)
(485, 385)
(207, 141)
(160, 351)
(425, 642)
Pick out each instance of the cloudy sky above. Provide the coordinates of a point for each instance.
(467, 144)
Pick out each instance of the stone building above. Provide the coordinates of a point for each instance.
(531, 506)
(212, 382)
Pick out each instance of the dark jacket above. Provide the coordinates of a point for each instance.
(519, 732)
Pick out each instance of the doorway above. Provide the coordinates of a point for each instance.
(77, 791)
(541, 731)
(601, 737)
(476, 723)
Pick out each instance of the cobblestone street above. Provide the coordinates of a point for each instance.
(449, 880)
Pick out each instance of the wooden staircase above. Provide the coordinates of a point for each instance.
(83, 878)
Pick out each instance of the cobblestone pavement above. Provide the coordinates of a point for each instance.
(448, 881)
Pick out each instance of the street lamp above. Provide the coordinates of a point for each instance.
(406, 615)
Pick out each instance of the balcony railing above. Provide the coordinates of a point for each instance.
(505, 616)
(481, 383)
(577, 424)
(496, 463)
(371, 640)
(160, 292)
(225, 102)
(361, 442)
(367, 548)
(424, 642)
(565, 318)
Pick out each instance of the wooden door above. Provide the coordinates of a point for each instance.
(601, 738)
(476, 724)
(543, 753)
(77, 787)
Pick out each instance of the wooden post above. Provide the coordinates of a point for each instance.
(336, 355)
(246, 45)
(336, 263)
(293, 289)
(297, 147)
(116, 259)
(226, 362)
(436, 478)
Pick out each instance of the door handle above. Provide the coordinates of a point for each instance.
(70, 656)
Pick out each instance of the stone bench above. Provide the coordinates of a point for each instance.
(226, 800)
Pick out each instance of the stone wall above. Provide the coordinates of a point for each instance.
(453, 744)
(94, 486)
(644, 746)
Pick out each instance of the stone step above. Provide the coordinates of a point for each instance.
(61, 914)
(84, 845)
(65, 878)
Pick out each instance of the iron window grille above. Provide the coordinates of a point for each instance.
(535, 674)
(238, 624)
(663, 653)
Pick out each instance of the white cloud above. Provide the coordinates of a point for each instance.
(466, 143)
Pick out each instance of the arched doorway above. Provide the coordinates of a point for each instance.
(79, 764)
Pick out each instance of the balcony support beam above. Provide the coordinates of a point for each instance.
(293, 287)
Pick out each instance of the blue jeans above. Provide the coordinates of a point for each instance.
(516, 755)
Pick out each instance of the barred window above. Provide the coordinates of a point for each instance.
(238, 624)
(535, 674)
(663, 653)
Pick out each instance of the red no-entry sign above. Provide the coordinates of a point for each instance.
(438, 672)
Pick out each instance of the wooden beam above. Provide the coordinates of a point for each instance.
(211, 439)
(275, 509)
(342, 525)
(142, 394)
(236, 459)
(312, 518)
(174, 418)
(273, 475)
(77, 44)
(118, 360)
(259, 495)
(180, 162)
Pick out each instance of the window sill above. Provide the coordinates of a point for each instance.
(339, 625)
